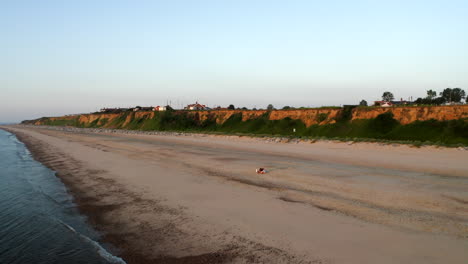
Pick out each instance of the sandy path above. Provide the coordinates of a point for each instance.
(197, 199)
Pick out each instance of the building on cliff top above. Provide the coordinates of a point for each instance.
(383, 103)
(159, 108)
(139, 108)
(113, 110)
(391, 103)
(220, 108)
(196, 106)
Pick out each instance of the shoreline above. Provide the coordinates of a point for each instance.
(85, 205)
(95, 212)
(211, 216)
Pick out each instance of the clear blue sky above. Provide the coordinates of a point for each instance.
(61, 57)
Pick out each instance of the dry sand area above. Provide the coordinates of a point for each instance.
(197, 198)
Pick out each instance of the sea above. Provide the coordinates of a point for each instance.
(39, 222)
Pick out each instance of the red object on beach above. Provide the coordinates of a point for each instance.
(260, 171)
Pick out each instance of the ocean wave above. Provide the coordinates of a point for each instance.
(99, 249)
(35, 209)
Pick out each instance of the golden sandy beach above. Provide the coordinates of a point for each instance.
(197, 198)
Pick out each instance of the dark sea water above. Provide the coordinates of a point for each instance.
(39, 223)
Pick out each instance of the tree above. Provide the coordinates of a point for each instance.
(363, 103)
(231, 107)
(431, 94)
(387, 96)
(270, 107)
(453, 95)
(459, 93)
(424, 101)
(438, 101)
(286, 107)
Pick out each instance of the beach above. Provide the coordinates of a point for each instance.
(196, 198)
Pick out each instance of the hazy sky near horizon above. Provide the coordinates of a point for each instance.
(62, 57)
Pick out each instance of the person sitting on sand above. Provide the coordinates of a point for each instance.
(260, 171)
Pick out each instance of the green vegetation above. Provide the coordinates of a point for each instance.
(382, 128)
(93, 124)
(387, 96)
(322, 117)
(448, 95)
(260, 125)
(453, 95)
(103, 121)
(61, 122)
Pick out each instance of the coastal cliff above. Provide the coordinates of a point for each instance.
(410, 114)
(319, 116)
(440, 124)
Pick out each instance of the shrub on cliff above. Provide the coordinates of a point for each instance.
(120, 120)
(62, 122)
(322, 117)
(383, 123)
(170, 120)
(346, 114)
(447, 132)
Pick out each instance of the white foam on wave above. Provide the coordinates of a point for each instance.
(14, 138)
(99, 249)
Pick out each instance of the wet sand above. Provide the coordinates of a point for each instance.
(197, 199)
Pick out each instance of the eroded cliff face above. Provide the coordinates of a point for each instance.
(43, 120)
(90, 118)
(404, 115)
(222, 115)
(308, 116)
(137, 115)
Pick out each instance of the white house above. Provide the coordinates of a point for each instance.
(195, 106)
(159, 108)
